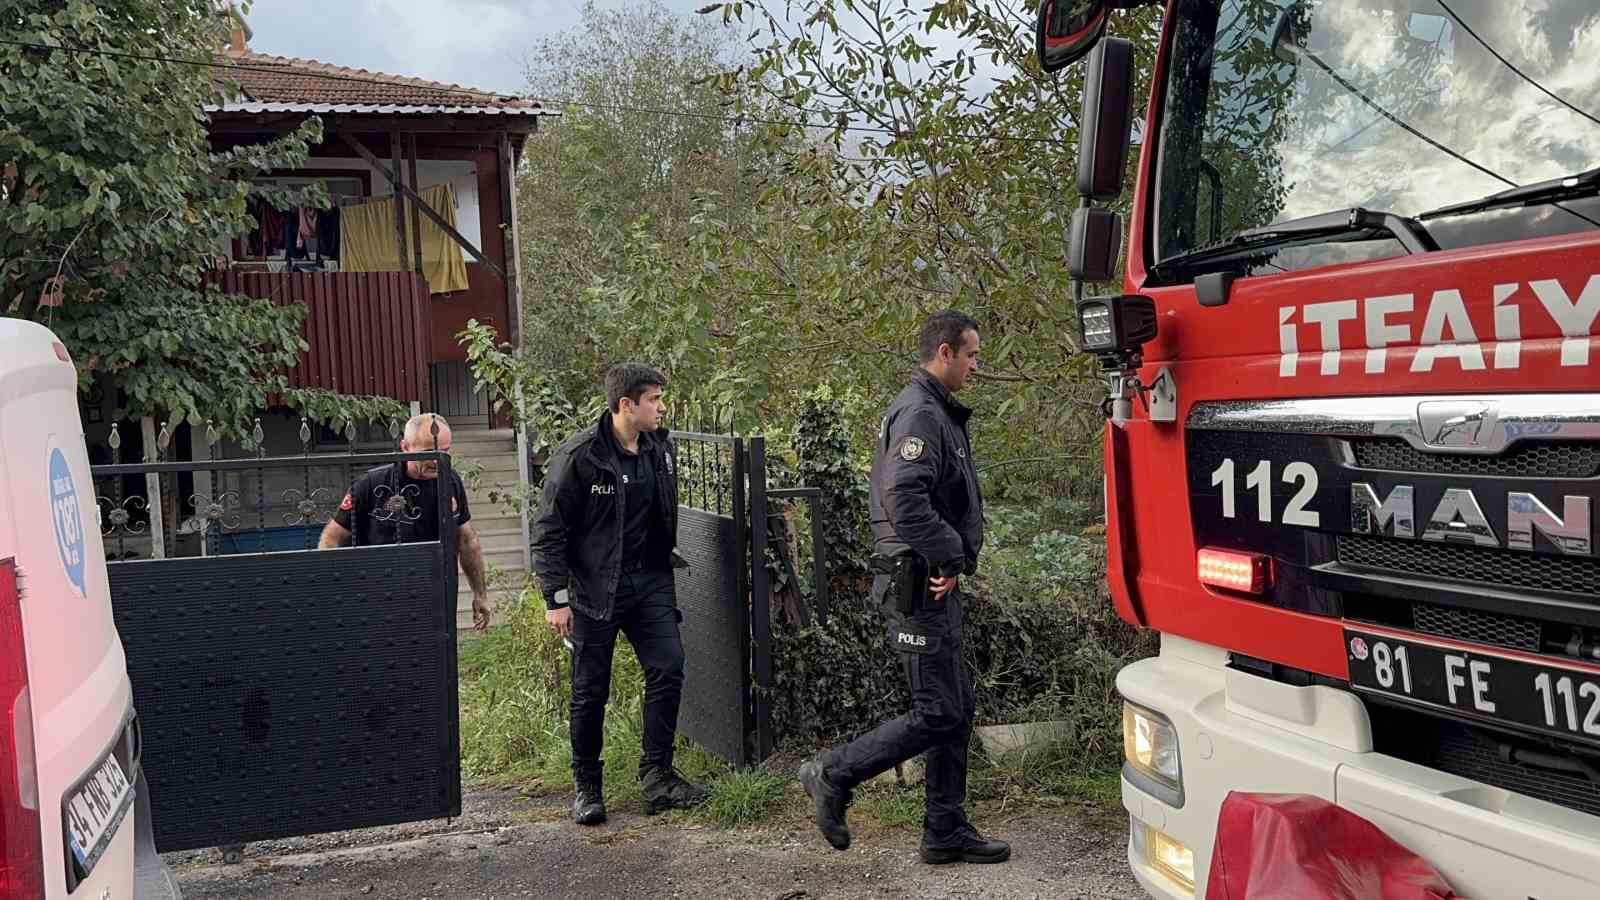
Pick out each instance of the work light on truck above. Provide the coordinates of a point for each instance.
(1116, 327)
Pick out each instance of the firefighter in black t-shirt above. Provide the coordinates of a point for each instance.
(398, 503)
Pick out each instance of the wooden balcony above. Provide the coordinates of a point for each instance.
(369, 332)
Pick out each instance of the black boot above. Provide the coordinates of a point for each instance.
(665, 789)
(589, 806)
(830, 800)
(965, 844)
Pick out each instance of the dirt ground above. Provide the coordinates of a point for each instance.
(506, 845)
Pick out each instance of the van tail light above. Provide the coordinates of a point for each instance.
(1235, 571)
(21, 847)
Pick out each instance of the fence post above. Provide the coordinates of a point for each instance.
(524, 475)
(152, 492)
(760, 599)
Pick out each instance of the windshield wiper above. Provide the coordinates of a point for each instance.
(1567, 187)
(1340, 224)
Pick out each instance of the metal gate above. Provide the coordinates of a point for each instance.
(281, 690)
(725, 508)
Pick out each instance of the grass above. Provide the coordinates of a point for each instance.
(515, 691)
(747, 799)
(891, 806)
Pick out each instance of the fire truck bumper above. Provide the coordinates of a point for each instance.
(1240, 732)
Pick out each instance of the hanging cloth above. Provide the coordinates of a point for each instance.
(368, 242)
(328, 233)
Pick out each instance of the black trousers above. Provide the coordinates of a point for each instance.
(939, 725)
(646, 611)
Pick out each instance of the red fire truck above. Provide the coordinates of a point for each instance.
(1353, 453)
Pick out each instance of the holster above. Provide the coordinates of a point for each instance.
(908, 579)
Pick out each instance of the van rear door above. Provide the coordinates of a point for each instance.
(77, 678)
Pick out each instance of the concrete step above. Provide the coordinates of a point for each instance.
(492, 464)
(494, 541)
(492, 517)
(506, 559)
(477, 435)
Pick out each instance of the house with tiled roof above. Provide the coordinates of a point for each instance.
(420, 240)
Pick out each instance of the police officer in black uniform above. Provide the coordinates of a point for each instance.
(927, 529)
(604, 549)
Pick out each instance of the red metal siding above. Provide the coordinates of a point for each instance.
(368, 332)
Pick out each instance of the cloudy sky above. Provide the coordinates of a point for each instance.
(478, 43)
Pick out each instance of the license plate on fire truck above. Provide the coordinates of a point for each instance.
(95, 809)
(1505, 687)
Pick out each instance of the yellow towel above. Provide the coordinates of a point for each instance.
(368, 241)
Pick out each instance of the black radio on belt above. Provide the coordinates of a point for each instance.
(908, 578)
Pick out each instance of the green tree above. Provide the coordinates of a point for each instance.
(113, 207)
(935, 170)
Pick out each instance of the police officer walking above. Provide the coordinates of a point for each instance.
(603, 548)
(927, 529)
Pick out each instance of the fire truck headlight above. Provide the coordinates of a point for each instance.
(1150, 745)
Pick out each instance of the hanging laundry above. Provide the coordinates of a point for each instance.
(255, 240)
(308, 225)
(328, 233)
(370, 244)
(294, 247)
(271, 230)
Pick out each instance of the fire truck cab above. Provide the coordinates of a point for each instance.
(1353, 452)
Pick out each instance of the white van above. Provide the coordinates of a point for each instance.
(73, 817)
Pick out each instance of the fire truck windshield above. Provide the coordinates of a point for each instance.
(1276, 110)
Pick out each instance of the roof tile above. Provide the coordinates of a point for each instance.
(280, 79)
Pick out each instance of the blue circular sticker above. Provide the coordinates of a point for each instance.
(68, 520)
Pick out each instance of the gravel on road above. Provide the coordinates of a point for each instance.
(507, 845)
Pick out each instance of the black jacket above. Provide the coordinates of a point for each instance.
(577, 537)
(924, 483)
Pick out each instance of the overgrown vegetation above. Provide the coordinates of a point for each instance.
(1042, 639)
(858, 165)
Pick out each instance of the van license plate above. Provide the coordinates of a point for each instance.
(95, 809)
(1503, 686)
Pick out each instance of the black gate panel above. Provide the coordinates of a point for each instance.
(716, 710)
(283, 694)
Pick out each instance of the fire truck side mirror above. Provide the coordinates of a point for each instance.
(1067, 29)
(1105, 126)
(1093, 242)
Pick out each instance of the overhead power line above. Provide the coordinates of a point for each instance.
(275, 69)
(1508, 64)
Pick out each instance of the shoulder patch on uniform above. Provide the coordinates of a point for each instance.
(348, 503)
(911, 449)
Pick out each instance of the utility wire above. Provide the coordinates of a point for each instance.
(279, 69)
(1507, 63)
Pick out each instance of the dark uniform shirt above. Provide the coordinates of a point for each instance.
(639, 493)
(924, 489)
(388, 506)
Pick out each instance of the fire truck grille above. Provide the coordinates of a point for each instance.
(1481, 565)
(1547, 459)
(1470, 754)
(1478, 627)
